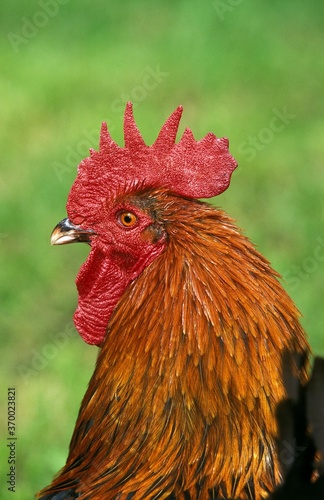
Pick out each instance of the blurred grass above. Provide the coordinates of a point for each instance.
(230, 68)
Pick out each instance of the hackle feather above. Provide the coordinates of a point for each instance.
(183, 398)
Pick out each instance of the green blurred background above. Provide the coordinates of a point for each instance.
(250, 70)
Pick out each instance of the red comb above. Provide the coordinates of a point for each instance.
(195, 169)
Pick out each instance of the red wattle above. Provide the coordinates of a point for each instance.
(100, 284)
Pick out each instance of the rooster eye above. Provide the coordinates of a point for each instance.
(127, 219)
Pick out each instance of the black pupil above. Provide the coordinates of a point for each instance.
(128, 219)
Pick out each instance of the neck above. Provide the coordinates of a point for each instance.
(187, 382)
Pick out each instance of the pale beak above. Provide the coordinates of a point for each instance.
(65, 232)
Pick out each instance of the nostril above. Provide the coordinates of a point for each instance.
(77, 220)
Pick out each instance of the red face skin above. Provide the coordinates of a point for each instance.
(120, 250)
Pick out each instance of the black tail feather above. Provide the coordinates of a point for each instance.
(301, 446)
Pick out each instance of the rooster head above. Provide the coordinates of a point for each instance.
(123, 229)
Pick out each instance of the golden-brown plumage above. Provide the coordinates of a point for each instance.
(183, 398)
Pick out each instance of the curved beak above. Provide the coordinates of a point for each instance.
(65, 232)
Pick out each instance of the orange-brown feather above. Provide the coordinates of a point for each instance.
(184, 394)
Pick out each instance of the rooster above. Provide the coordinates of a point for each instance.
(193, 326)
